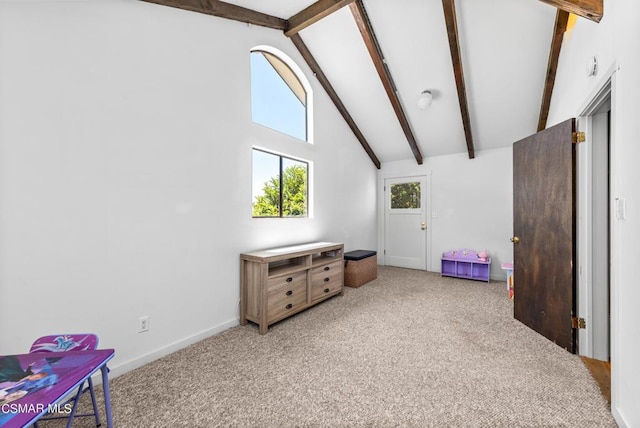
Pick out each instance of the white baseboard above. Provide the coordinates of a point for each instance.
(127, 366)
(618, 418)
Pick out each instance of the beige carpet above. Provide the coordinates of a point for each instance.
(409, 349)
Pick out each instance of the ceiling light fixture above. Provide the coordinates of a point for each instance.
(424, 100)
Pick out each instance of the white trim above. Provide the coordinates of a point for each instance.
(430, 226)
(608, 86)
(620, 420)
(584, 239)
(614, 161)
(279, 153)
(591, 171)
(127, 366)
(600, 92)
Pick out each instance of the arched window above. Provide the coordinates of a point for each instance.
(280, 94)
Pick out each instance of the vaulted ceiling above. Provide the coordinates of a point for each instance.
(489, 64)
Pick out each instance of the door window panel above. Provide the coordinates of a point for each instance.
(405, 196)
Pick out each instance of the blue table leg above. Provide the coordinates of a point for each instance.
(107, 395)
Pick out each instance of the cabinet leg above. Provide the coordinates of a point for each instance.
(263, 329)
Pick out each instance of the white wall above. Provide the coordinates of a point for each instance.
(616, 42)
(125, 173)
(473, 199)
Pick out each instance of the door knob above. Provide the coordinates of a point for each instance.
(423, 225)
(515, 240)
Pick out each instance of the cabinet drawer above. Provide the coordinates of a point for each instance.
(286, 280)
(285, 299)
(321, 272)
(324, 282)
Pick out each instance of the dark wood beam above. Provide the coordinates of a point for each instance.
(364, 25)
(226, 10)
(562, 18)
(313, 14)
(456, 59)
(590, 9)
(317, 71)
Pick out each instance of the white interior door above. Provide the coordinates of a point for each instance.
(406, 222)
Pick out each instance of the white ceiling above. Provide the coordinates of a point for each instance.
(504, 46)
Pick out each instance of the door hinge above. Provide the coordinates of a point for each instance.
(578, 137)
(577, 322)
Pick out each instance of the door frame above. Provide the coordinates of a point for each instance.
(587, 262)
(606, 89)
(382, 227)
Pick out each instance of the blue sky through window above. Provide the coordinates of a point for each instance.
(273, 104)
(265, 166)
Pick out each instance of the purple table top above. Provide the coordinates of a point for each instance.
(46, 377)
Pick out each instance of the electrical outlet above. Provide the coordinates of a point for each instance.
(143, 324)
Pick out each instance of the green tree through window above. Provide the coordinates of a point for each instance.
(285, 193)
(405, 195)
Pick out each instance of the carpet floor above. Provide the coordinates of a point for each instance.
(410, 349)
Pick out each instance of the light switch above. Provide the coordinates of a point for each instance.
(621, 208)
(434, 214)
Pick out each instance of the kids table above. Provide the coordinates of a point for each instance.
(32, 385)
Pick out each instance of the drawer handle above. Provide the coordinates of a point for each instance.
(326, 280)
(289, 306)
(289, 279)
(327, 268)
(289, 293)
(326, 290)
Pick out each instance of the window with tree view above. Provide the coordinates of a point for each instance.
(280, 186)
(405, 195)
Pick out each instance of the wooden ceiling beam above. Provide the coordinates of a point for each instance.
(226, 10)
(322, 78)
(313, 14)
(456, 59)
(308, 16)
(366, 30)
(590, 9)
(562, 18)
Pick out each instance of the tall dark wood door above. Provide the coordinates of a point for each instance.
(544, 226)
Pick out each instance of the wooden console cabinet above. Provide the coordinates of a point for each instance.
(279, 282)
